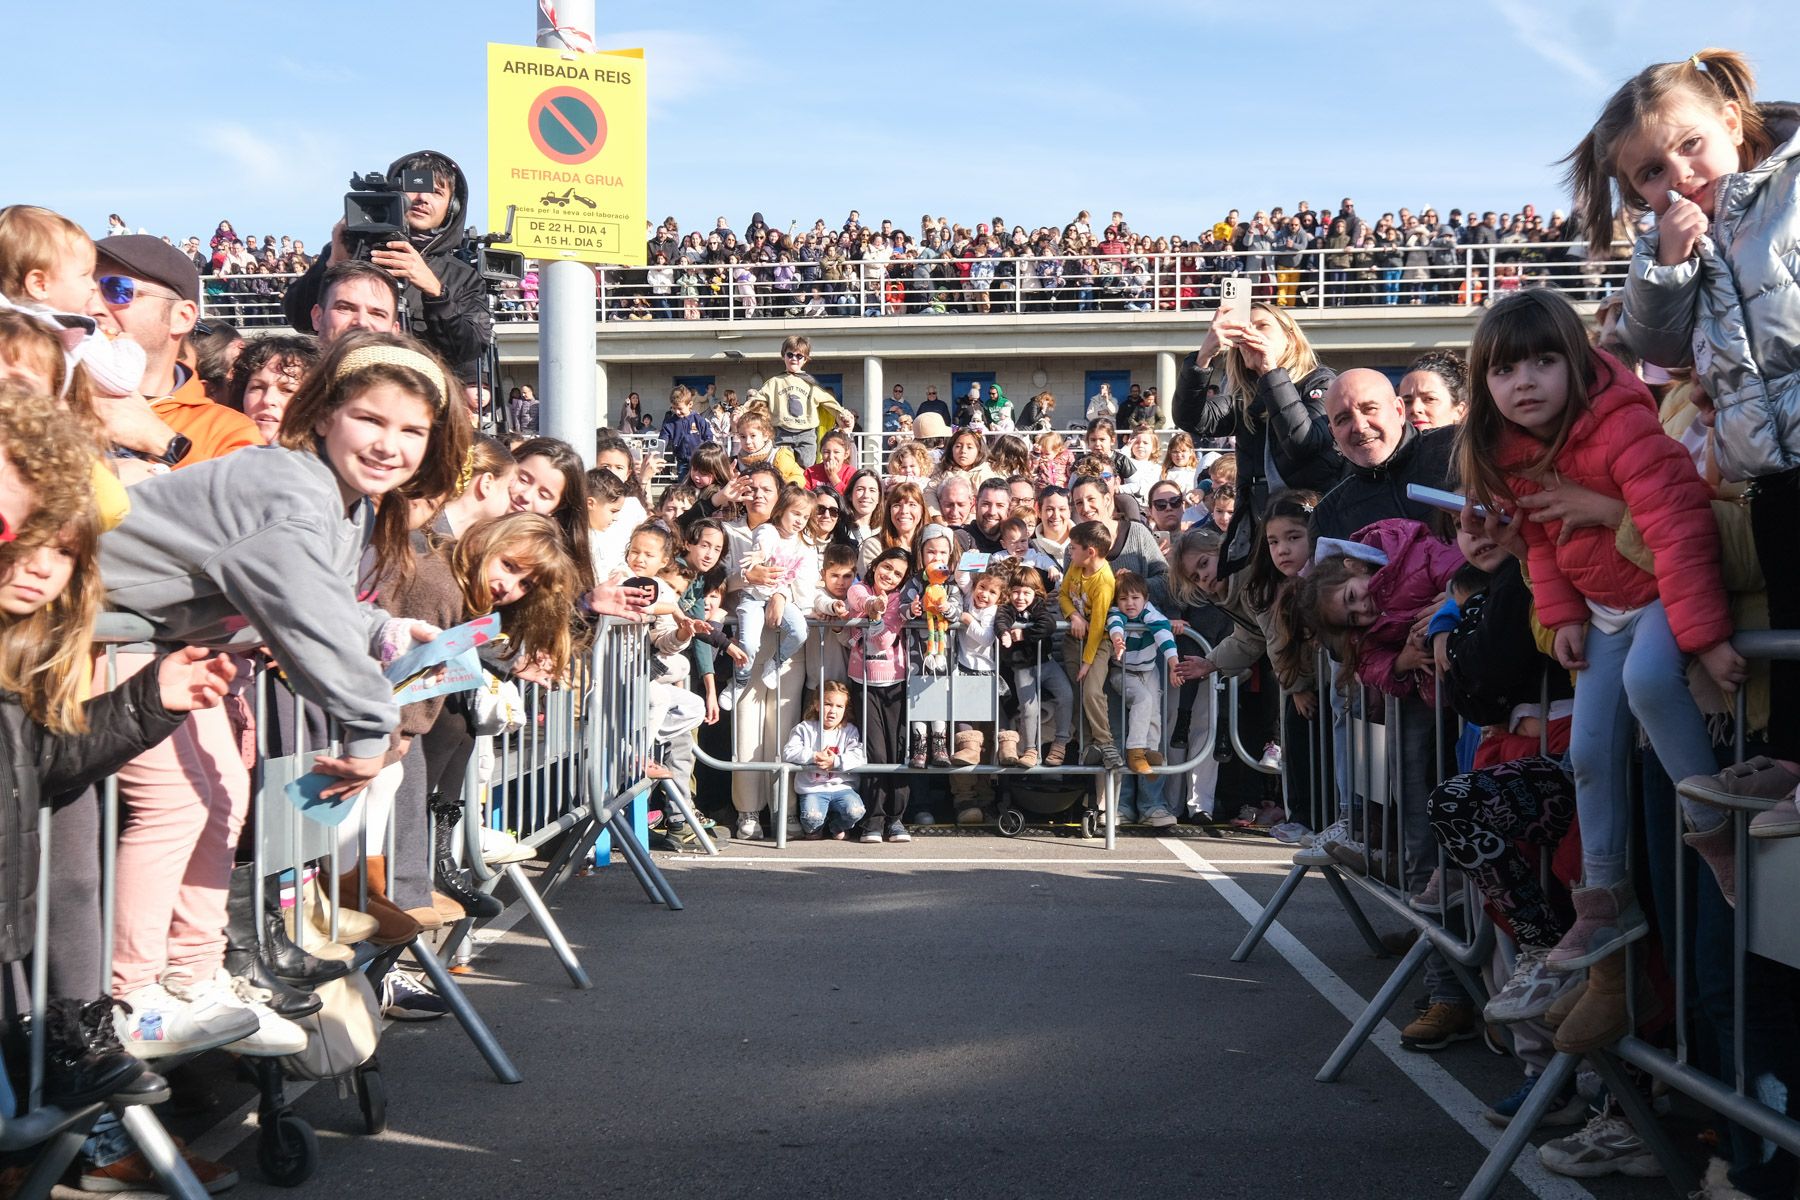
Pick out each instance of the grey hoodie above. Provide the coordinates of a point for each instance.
(255, 549)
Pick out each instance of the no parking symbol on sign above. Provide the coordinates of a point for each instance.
(566, 150)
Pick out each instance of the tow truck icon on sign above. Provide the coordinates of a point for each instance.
(562, 201)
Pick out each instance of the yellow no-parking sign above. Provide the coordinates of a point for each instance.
(566, 138)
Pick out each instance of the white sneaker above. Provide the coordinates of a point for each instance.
(499, 848)
(1531, 990)
(1315, 849)
(1271, 757)
(274, 1035)
(160, 1023)
(1605, 1146)
(749, 829)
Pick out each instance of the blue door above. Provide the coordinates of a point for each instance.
(1118, 381)
(960, 382)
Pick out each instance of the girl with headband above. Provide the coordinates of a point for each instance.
(266, 547)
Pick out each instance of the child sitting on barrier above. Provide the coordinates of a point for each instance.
(831, 750)
(1365, 595)
(1086, 596)
(1026, 628)
(975, 655)
(1143, 653)
(932, 598)
(776, 544)
(824, 651)
(877, 670)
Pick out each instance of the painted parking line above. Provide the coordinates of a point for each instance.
(1442, 1088)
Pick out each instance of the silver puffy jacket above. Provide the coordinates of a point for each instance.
(1733, 310)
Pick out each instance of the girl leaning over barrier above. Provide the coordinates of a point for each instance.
(264, 548)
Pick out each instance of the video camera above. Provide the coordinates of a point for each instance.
(375, 209)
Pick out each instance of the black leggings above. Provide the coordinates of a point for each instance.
(1478, 819)
(884, 741)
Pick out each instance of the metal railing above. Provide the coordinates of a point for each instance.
(1318, 280)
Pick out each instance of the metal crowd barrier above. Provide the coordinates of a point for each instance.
(972, 698)
(1465, 936)
(1035, 284)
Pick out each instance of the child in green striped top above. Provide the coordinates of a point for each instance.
(1142, 653)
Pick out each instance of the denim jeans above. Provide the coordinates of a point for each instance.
(838, 808)
(1034, 685)
(1639, 672)
(750, 616)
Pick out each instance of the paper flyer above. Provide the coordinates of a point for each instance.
(447, 645)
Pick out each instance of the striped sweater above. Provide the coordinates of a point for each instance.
(1145, 645)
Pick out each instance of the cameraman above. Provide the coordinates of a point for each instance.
(443, 295)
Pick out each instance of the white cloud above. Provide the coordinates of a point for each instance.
(1551, 36)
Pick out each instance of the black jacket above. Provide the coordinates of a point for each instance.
(456, 322)
(1495, 664)
(122, 724)
(1037, 629)
(1289, 425)
(1370, 494)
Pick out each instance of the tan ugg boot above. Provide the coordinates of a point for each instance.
(968, 748)
(1136, 760)
(1007, 748)
(1599, 1018)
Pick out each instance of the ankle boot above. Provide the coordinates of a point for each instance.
(83, 1058)
(243, 955)
(393, 926)
(352, 926)
(968, 748)
(1717, 848)
(286, 960)
(1599, 1017)
(916, 760)
(1006, 748)
(940, 750)
(1606, 919)
(451, 880)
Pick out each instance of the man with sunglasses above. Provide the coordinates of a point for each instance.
(152, 296)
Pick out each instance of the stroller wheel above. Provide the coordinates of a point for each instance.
(1012, 822)
(1090, 824)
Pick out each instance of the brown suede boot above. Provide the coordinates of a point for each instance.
(968, 748)
(1717, 848)
(1565, 1004)
(392, 926)
(1136, 760)
(1007, 748)
(1599, 1018)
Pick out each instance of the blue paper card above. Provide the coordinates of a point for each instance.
(445, 646)
(304, 794)
(460, 674)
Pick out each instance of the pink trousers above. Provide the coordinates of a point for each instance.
(183, 804)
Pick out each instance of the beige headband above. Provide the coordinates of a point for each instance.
(395, 356)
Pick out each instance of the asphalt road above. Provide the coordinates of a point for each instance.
(963, 1017)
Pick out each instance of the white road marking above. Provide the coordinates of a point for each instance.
(1443, 1089)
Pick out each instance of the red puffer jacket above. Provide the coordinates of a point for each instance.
(1418, 572)
(1618, 448)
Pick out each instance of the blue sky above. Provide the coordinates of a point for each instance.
(178, 113)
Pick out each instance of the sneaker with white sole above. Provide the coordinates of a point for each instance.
(1530, 991)
(1606, 1145)
(273, 1035)
(404, 997)
(1567, 1109)
(1271, 757)
(498, 849)
(749, 829)
(1434, 897)
(156, 1023)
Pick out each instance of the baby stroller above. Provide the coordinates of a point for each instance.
(1021, 798)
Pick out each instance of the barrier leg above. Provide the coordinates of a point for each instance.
(1498, 1164)
(158, 1149)
(53, 1159)
(678, 796)
(1270, 911)
(637, 868)
(656, 884)
(1354, 911)
(465, 1013)
(1375, 1012)
(547, 924)
(1643, 1120)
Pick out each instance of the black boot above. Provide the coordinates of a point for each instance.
(83, 1059)
(450, 879)
(243, 959)
(287, 961)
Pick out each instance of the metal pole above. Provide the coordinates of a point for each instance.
(566, 321)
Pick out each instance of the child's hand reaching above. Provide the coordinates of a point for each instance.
(736, 654)
(1679, 229)
(188, 680)
(1571, 646)
(1726, 666)
(875, 607)
(1118, 647)
(1174, 672)
(967, 619)
(918, 607)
